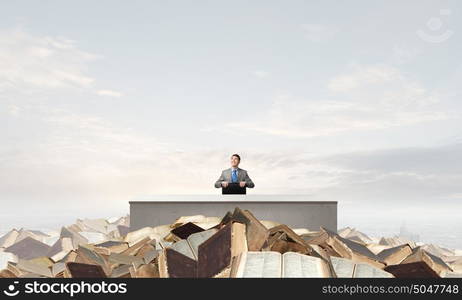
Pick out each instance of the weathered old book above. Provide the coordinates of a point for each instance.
(216, 253)
(94, 225)
(149, 256)
(320, 239)
(452, 275)
(122, 271)
(93, 237)
(80, 270)
(34, 267)
(70, 257)
(343, 267)
(116, 259)
(437, 250)
(365, 270)
(318, 251)
(58, 269)
(269, 264)
(151, 246)
(11, 266)
(35, 234)
(86, 255)
(256, 264)
(182, 246)
(5, 273)
(256, 232)
(345, 248)
(5, 257)
(43, 261)
(135, 236)
(377, 248)
(186, 230)
(395, 255)
(144, 271)
(228, 217)
(133, 249)
(28, 248)
(419, 264)
(188, 219)
(283, 239)
(189, 247)
(346, 268)
(396, 241)
(296, 265)
(196, 239)
(8, 238)
(60, 248)
(173, 264)
(355, 235)
(77, 238)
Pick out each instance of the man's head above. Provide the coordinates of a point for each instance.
(235, 160)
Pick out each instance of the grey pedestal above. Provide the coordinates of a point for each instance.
(292, 210)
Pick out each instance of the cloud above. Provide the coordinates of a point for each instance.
(424, 174)
(362, 76)
(28, 61)
(109, 93)
(367, 98)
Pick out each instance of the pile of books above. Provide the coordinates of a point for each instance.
(235, 246)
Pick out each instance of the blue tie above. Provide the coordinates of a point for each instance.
(234, 176)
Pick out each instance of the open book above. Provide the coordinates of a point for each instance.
(274, 264)
(204, 254)
(346, 268)
(189, 246)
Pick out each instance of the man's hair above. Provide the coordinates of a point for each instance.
(237, 155)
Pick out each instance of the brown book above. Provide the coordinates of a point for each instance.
(353, 250)
(419, 264)
(186, 230)
(146, 249)
(70, 257)
(345, 248)
(173, 264)
(320, 239)
(80, 270)
(70, 232)
(86, 255)
(5, 273)
(412, 270)
(133, 250)
(216, 253)
(122, 271)
(113, 246)
(144, 271)
(395, 255)
(256, 232)
(225, 220)
(283, 239)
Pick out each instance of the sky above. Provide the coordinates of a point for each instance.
(358, 102)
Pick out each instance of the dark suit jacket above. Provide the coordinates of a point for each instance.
(241, 176)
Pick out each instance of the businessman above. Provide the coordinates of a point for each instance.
(234, 175)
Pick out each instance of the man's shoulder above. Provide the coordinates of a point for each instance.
(241, 170)
(226, 170)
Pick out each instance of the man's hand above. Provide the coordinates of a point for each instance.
(242, 184)
(224, 184)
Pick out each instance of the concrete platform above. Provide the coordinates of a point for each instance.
(293, 210)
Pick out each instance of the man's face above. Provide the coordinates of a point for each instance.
(234, 161)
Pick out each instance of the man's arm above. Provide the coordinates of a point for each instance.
(248, 182)
(220, 180)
